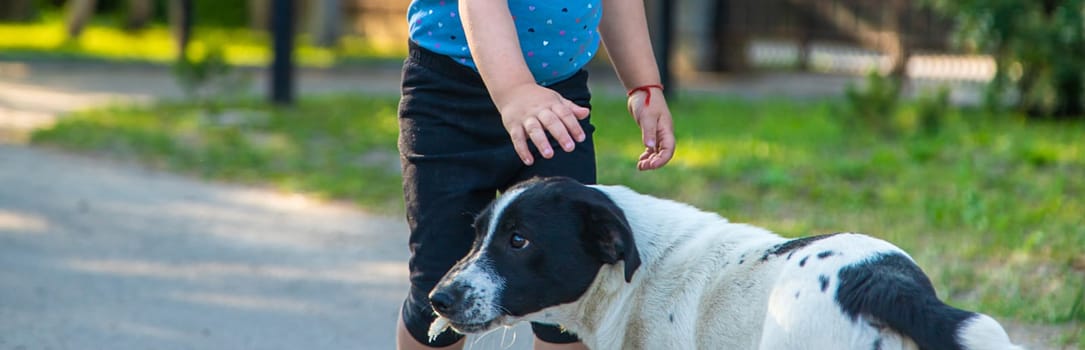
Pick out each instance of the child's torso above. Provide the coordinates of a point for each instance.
(557, 37)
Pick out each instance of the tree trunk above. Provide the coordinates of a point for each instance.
(180, 17)
(79, 13)
(694, 35)
(139, 14)
(899, 49)
(17, 10)
(1068, 90)
(804, 39)
(259, 14)
(325, 22)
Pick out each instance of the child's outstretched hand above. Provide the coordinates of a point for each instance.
(657, 128)
(531, 111)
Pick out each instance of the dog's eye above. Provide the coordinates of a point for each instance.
(518, 242)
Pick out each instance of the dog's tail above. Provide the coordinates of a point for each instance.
(892, 289)
(983, 332)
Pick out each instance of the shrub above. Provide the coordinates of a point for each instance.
(209, 80)
(1038, 46)
(875, 105)
(931, 110)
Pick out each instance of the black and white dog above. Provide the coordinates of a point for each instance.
(629, 271)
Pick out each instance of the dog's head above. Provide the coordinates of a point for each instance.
(539, 245)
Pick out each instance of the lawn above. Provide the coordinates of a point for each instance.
(104, 40)
(990, 205)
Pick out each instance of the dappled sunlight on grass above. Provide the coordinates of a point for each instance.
(245, 47)
(152, 44)
(711, 154)
(322, 146)
(31, 36)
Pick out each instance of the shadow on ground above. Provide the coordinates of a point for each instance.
(96, 255)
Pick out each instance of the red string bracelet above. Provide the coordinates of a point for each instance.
(647, 89)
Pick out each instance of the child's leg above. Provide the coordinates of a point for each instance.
(455, 156)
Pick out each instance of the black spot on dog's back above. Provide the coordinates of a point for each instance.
(889, 287)
(825, 254)
(792, 245)
(803, 261)
(824, 280)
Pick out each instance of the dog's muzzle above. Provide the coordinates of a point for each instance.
(467, 297)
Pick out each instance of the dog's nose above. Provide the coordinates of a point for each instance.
(442, 301)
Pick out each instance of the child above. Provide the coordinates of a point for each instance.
(483, 72)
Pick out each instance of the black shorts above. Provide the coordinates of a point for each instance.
(456, 157)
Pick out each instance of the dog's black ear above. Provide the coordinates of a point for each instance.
(608, 232)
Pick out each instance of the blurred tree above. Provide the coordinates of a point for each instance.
(1038, 47)
(140, 13)
(180, 18)
(885, 32)
(259, 12)
(17, 10)
(210, 81)
(222, 13)
(324, 21)
(137, 13)
(79, 12)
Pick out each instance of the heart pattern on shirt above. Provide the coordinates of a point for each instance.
(536, 38)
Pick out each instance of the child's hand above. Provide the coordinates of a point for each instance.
(656, 127)
(530, 111)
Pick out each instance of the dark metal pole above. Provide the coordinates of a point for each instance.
(282, 64)
(663, 55)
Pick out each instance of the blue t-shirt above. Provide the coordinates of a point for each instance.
(557, 37)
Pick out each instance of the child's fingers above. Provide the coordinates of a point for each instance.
(569, 121)
(519, 143)
(538, 136)
(554, 122)
(643, 161)
(652, 161)
(578, 111)
(657, 129)
(659, 157)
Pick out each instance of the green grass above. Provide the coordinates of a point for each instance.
(991, 206)
(104, 40)
(334, 147)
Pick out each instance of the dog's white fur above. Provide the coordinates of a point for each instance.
(700, 286)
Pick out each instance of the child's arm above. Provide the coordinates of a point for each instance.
(624, 28)
(528, 110)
